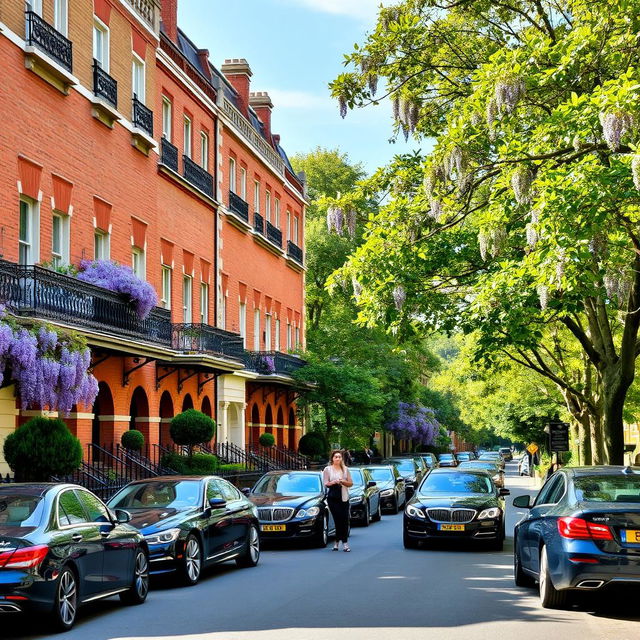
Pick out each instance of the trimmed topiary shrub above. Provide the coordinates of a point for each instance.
(42, 448)
(313, 444)
(199, 464)
(132, 440)
(267, 440)
(192, 427)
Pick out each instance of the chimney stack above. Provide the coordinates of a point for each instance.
(169, 17)
(238, 72)
(262, 105)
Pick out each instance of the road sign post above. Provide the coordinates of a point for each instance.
(558, 437)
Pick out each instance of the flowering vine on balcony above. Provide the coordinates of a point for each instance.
(50, 368)
(416, 423)
(121, 279)
(265, 365)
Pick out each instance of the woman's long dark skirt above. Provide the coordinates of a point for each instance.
(340, 512)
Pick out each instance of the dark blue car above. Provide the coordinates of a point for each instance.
(582, 532)
(61, 547)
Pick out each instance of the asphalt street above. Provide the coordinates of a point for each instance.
(378, 591)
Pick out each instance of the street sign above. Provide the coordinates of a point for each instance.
(533, 448)
(559, 436)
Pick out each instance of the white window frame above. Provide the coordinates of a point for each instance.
(204, 150)
(35, 6)
(256, 329)
(242, 321)
(101, 53)
(61, 16)
(167, 116)
(186, 135)
(243, 183)
(288, 336)
(296, 231)
(204, 303)
(166, 274)
(256, 196)
(139, 262)
(232, 175)
(267, 332)
(187, 298)
(288, 224)
(297, 337)
(267, 206)
(139, 72)
(61, 257)
(101, 245)
(29, 245)
(276, 213)
(276, 345)
(223, 311)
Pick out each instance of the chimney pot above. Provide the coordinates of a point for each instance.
(238, 72)
(169, 17)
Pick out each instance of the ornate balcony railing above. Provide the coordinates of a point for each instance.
(272, 362)
(258, 223)
(238, 206)
(197, 176)
(37, 292)
(142, 117)
(168, 154)
(274, 234)
(48, 39)
(147, 10)
(204, 338)
(104, 86)
(294, 252)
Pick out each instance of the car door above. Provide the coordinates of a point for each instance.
(219, 522)
(238, 510)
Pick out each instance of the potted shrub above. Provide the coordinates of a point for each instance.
(133, 440)
(267, 440)
(192, 427)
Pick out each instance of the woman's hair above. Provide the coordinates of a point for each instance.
(333, 453)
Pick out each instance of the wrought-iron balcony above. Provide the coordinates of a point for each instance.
(238, 206)
(204, 338)
(104, 86)
(294, 252)
(168, 154)
(197, 176)
(32, 291)
(48, 39)
(272, 362)
(274, 234)
(258, 223)
(142, 117)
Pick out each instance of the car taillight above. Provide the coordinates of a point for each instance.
(580, 529)
(23, 558)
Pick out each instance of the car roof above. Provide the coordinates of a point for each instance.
(175, 478)
(600, 470)
(457, 470)
(281, 472)
(377, 466)
(31, 488)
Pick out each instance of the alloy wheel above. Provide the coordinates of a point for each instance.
(254, 545)
(67, 598)
(142, 575)
(192, 559)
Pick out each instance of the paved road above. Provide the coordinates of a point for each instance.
(379, 591)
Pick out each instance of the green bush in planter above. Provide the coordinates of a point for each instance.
(267, 439)
(313, 444)
(199, 464)
(192, 427)
(232, 466)
(42, 448)
(132, 440)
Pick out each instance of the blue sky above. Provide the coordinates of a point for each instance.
(295, 48)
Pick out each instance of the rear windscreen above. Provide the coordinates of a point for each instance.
(619, 488)
(19, 510)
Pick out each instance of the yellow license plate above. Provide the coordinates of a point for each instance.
(273, 527)
(451, 527)
(632, 536)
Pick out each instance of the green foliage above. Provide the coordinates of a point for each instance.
(240, 468)
(133, 440)
(192, 427)
(313, 444)
(42, 448)
(198, 464)
(266, 439)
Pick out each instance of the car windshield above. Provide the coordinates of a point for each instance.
(490, 456)
(455, 483)
(176, 494)
(600, 488)
(289, 483)
(478, 464)
(404, 465)
(356, 476)
(445, 456)
(19, 509)
(381, 475)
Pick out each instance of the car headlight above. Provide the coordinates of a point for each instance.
(170, 535)
(386, 493)
(414, 512)
(308, 513)
(494, 512)
(356, 499)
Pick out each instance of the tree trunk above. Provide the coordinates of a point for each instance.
(613, 396)
(595, 435)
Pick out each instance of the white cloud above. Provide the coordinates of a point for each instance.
(366, 10)
(286, 99)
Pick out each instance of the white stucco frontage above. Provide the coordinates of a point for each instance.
(8, 413)
(231, 409)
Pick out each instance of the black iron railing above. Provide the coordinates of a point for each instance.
(144, 459)
(294, 252)
(168, 154)
(274, 234)
(48, 39)
(39, 292)
(94, 478)
(142, 117)
(272, 362)
(197, 176)
(278, 457)
(238, 206)
(109, 460)
(207, 339)
(258, 223)
(104, 86)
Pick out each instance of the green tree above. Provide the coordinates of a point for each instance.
(192, 427)
(521, 224)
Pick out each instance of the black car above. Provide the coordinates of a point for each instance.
(61, 547)
(409, 469)
(457, 505)
(190, 522)
(447, 460)
(430, 460)
(391, 484)
(292, 506)
(464, 456)
(364, 497)
(582, 532)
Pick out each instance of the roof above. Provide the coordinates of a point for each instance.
(30, 488)
(281, 471)
(600, 470)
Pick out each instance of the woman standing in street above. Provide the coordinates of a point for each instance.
(337, 480)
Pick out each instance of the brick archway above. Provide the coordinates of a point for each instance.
(268, 419)
(255, 425)
(166, 413)
(292, 429)
(139, 412)
(206, 407)
(102, 430)
(280, 428)
(187, 402)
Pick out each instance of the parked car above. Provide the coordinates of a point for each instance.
(409, 469)
(493, 456)
(447, 460)
(61, 547)
(430, 460)
(506, 453)
(391, 484)
(364, 497)
(463, 505)
(190, 522)
(463, 456)
(292, 506)
(494, 470)
(581, 532)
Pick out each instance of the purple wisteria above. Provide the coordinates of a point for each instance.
(121, 279)
(415, 422)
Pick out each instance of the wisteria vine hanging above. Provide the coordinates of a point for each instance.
(416, 423)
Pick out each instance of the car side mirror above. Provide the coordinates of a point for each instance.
(371, 484)
(522, 502)
(246, 490)
(217, 503)
(504, 492)
(122, 516)
(399, 480)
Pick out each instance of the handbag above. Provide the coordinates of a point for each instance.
(334, 492)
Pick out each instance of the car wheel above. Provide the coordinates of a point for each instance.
(65, 605)
(550, 597)
(409, 542)
(520, 577)
(251, 554)
(367, 515)
(322, 537)
(192, 562)
(137, 593)
(377, 516)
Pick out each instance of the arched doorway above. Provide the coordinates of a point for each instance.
(292, 429)
(166, 413)
(187, 403)
(268, 420)
(206, 407)
(101, 429)
(255, 425)
(280, 428)
(139, 412)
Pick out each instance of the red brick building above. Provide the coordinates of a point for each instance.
(122, 149)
